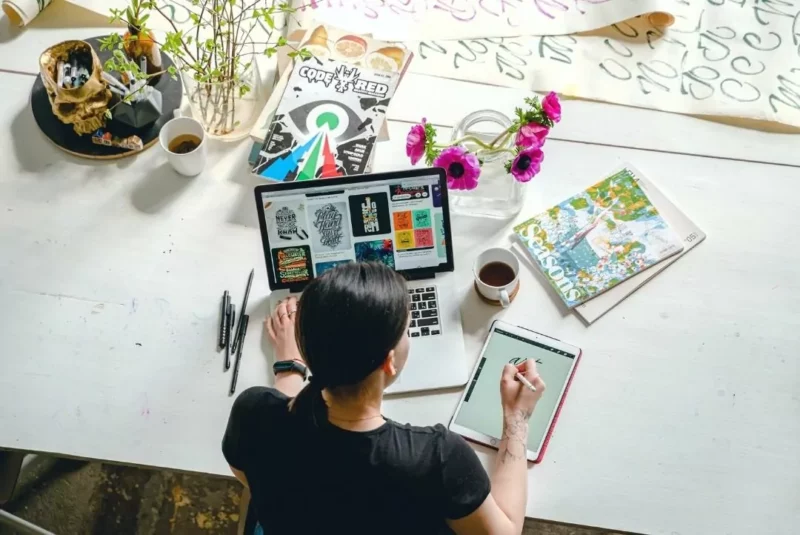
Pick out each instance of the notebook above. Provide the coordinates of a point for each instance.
(599, 238)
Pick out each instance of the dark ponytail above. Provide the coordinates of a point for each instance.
(347, 322)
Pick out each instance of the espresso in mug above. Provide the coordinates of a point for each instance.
(184, 143)
(497, 274)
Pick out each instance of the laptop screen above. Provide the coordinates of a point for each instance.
(399, 219)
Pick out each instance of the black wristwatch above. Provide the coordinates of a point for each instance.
(290, 366)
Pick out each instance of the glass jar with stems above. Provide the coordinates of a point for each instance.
(498, 195)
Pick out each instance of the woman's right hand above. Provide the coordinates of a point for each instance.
(518, 399)
(279, 327)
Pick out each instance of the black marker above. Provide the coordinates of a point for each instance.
(231, 319)
(223, 320)
(243, 320)
(243, 310)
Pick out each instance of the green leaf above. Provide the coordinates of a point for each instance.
(271, 52)
(108, 115)
(282, 41)
(269, 20)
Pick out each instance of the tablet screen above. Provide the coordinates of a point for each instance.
(481, 410)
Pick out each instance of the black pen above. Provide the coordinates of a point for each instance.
(223, 320)
(231, 319)
(243, 310)
(243, 320)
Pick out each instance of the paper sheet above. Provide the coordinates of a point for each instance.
(722, 57)
(463, 19)
(22, 12)
(179, 13)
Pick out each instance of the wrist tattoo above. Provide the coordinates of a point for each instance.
(515, 436)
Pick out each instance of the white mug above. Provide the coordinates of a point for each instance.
(190, 163)
(493, 290)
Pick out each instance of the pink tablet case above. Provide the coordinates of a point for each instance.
(558, 409)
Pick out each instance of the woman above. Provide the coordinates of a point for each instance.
(321, 458)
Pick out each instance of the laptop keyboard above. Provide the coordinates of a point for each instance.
(424, 312)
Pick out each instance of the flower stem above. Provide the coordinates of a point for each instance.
(501, 138)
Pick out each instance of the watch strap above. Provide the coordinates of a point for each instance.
(282, 366)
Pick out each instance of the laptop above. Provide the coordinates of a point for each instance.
(400, 219)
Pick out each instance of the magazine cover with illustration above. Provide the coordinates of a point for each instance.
(327, 122)
(598, 238)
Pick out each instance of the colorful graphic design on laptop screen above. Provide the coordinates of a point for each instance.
(311, 230)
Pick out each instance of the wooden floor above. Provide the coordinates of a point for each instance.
(75, 498)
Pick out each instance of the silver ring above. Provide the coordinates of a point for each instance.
(292, 312)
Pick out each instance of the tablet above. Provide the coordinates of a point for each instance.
(479, 415)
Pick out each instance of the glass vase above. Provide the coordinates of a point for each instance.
(498, 194)
(227, 110)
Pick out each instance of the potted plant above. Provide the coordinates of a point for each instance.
(216, 56)
(138, 42)
(478, 165)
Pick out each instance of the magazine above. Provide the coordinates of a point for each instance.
(325, 41)
(327, 122)
(598, 238)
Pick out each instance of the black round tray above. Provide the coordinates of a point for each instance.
(65, 137)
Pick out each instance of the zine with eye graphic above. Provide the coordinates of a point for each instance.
(327, 122)
(324, 42)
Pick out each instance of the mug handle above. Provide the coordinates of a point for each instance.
(504, 299)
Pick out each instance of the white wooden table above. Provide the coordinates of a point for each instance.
(684, 417)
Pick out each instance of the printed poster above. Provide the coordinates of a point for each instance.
(286, 221)
(369, 214)
(322, 267)
(376, 251)
(329, 232)
(441, 241)
(292, 264)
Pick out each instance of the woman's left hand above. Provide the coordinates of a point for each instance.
(280, 330)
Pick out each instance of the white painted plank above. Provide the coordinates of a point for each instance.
(685, 412)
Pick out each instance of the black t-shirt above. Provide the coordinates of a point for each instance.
(305, 479)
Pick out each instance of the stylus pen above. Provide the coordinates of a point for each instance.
(525, 381)
(243, 320)
(231, 320)
(236, 338)
(223, 320)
